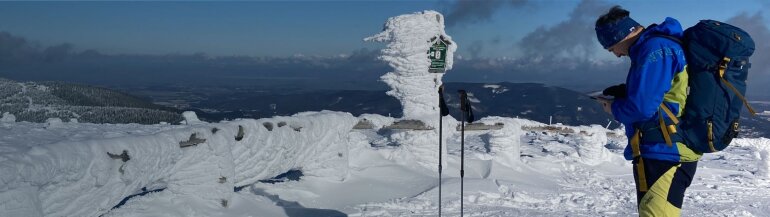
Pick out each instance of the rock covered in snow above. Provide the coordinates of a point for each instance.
(8, 118)
(409, 38)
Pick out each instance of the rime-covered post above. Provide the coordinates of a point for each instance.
(420, 52)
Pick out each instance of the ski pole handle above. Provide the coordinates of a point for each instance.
(463, 100)
(444, 110)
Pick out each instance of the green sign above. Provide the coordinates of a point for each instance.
(437, 55)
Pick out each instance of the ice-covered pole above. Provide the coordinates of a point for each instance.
(420, 52)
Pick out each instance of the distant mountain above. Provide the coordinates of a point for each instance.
(532, 101)
(36, 102)
(526, 100)
(268, 104)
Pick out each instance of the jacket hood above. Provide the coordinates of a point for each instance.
(670, 26)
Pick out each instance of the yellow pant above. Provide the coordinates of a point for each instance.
(667, 183)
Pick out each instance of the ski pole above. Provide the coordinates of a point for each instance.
(444, 111)
(440, 124)
(464, 108)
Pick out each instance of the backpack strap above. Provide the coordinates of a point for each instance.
(635, 140)
(667, 130)
(660, 130)
(722, 67)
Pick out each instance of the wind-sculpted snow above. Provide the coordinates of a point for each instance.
(86, 169)
(524, 169)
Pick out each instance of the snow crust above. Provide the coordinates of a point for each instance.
(409, 39)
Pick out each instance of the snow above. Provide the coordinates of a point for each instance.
(7, 118)
(496, 88)
(54, 122)
(67, 171)
(524, 169)
(190, 117)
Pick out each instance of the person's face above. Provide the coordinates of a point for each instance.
(620, 49)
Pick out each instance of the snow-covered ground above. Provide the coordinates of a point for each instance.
(524, 169)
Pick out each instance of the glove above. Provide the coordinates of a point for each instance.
(617, 91)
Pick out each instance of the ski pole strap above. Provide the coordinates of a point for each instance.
(642, 179)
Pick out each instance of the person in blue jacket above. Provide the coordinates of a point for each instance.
(656, 85)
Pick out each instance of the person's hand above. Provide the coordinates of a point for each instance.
(617, 91)
(606, 104)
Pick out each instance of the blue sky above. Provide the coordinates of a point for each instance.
(285, 28)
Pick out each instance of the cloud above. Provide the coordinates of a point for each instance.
(754, 24)
(23, 60)
(574, 37)
(474, 11)
(562, 54)
(18, 50)
(14, 49)
(475, 49)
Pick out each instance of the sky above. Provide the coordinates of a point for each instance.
(286, 28)
(549, 41)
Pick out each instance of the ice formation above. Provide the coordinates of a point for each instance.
(409, 38)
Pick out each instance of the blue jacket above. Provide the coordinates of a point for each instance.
(655, 63)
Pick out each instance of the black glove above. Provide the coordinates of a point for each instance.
(617, 91)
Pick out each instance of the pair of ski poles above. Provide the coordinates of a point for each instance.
(467, 115)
